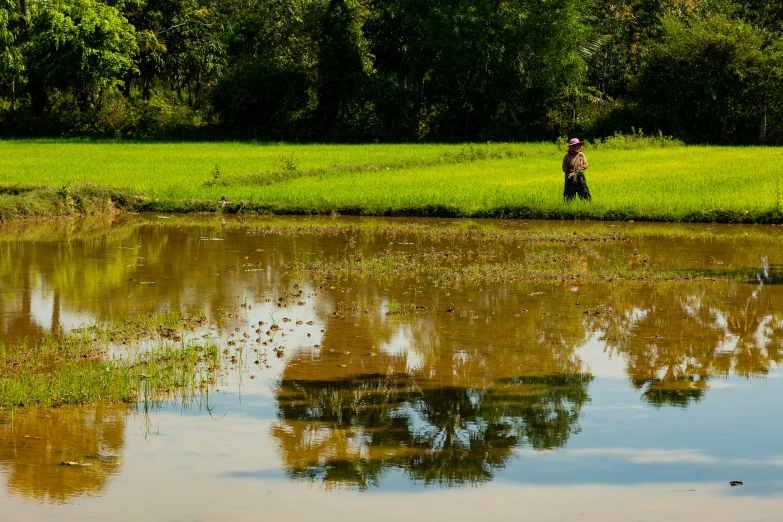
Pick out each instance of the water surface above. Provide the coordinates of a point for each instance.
(552, 401)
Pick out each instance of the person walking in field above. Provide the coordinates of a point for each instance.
(574, 165)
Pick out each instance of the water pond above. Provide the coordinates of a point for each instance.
(582, 387)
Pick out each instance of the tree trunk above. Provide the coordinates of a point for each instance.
(126, 86)
(145, 88)
(467, 124)
(56, 313)
(24, 5)
(763, 125)
(38, 96)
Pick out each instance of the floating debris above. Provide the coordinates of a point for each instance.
(75, 463)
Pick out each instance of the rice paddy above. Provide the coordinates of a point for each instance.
(646, 181)
(144, 357)
(320, 363)
(358, 353)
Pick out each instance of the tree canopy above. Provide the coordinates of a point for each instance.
(360, 70)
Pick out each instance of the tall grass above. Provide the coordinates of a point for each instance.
(629, 180)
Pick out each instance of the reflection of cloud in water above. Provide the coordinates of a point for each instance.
(725, 385)
(43, 309)
(398, 345)
(647, 456)
(598, 362)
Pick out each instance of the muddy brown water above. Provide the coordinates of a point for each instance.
(542, 401)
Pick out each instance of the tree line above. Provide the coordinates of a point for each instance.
(704, 71)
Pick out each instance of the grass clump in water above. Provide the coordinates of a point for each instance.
(454, 265)
(77, 369)
(480, 231)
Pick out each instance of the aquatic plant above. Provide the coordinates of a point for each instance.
(459, 265)
(81, 367)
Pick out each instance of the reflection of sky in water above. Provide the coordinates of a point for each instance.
(399, 344)
(599, 363)
(628, 459)
(42, 310)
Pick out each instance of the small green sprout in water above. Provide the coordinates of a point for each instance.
(396, 308)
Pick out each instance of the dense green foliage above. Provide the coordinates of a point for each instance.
(403, 70)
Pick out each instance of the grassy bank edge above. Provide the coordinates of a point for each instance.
(26, 201)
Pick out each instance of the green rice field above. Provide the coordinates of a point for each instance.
(643, 182)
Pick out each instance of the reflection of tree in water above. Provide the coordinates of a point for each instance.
(94, 268)
(448, 421)
(33, 445)
(61, 259)
(675, 340)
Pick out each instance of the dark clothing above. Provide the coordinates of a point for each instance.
(576, 185)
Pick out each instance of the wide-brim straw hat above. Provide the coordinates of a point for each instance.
(575, 141)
